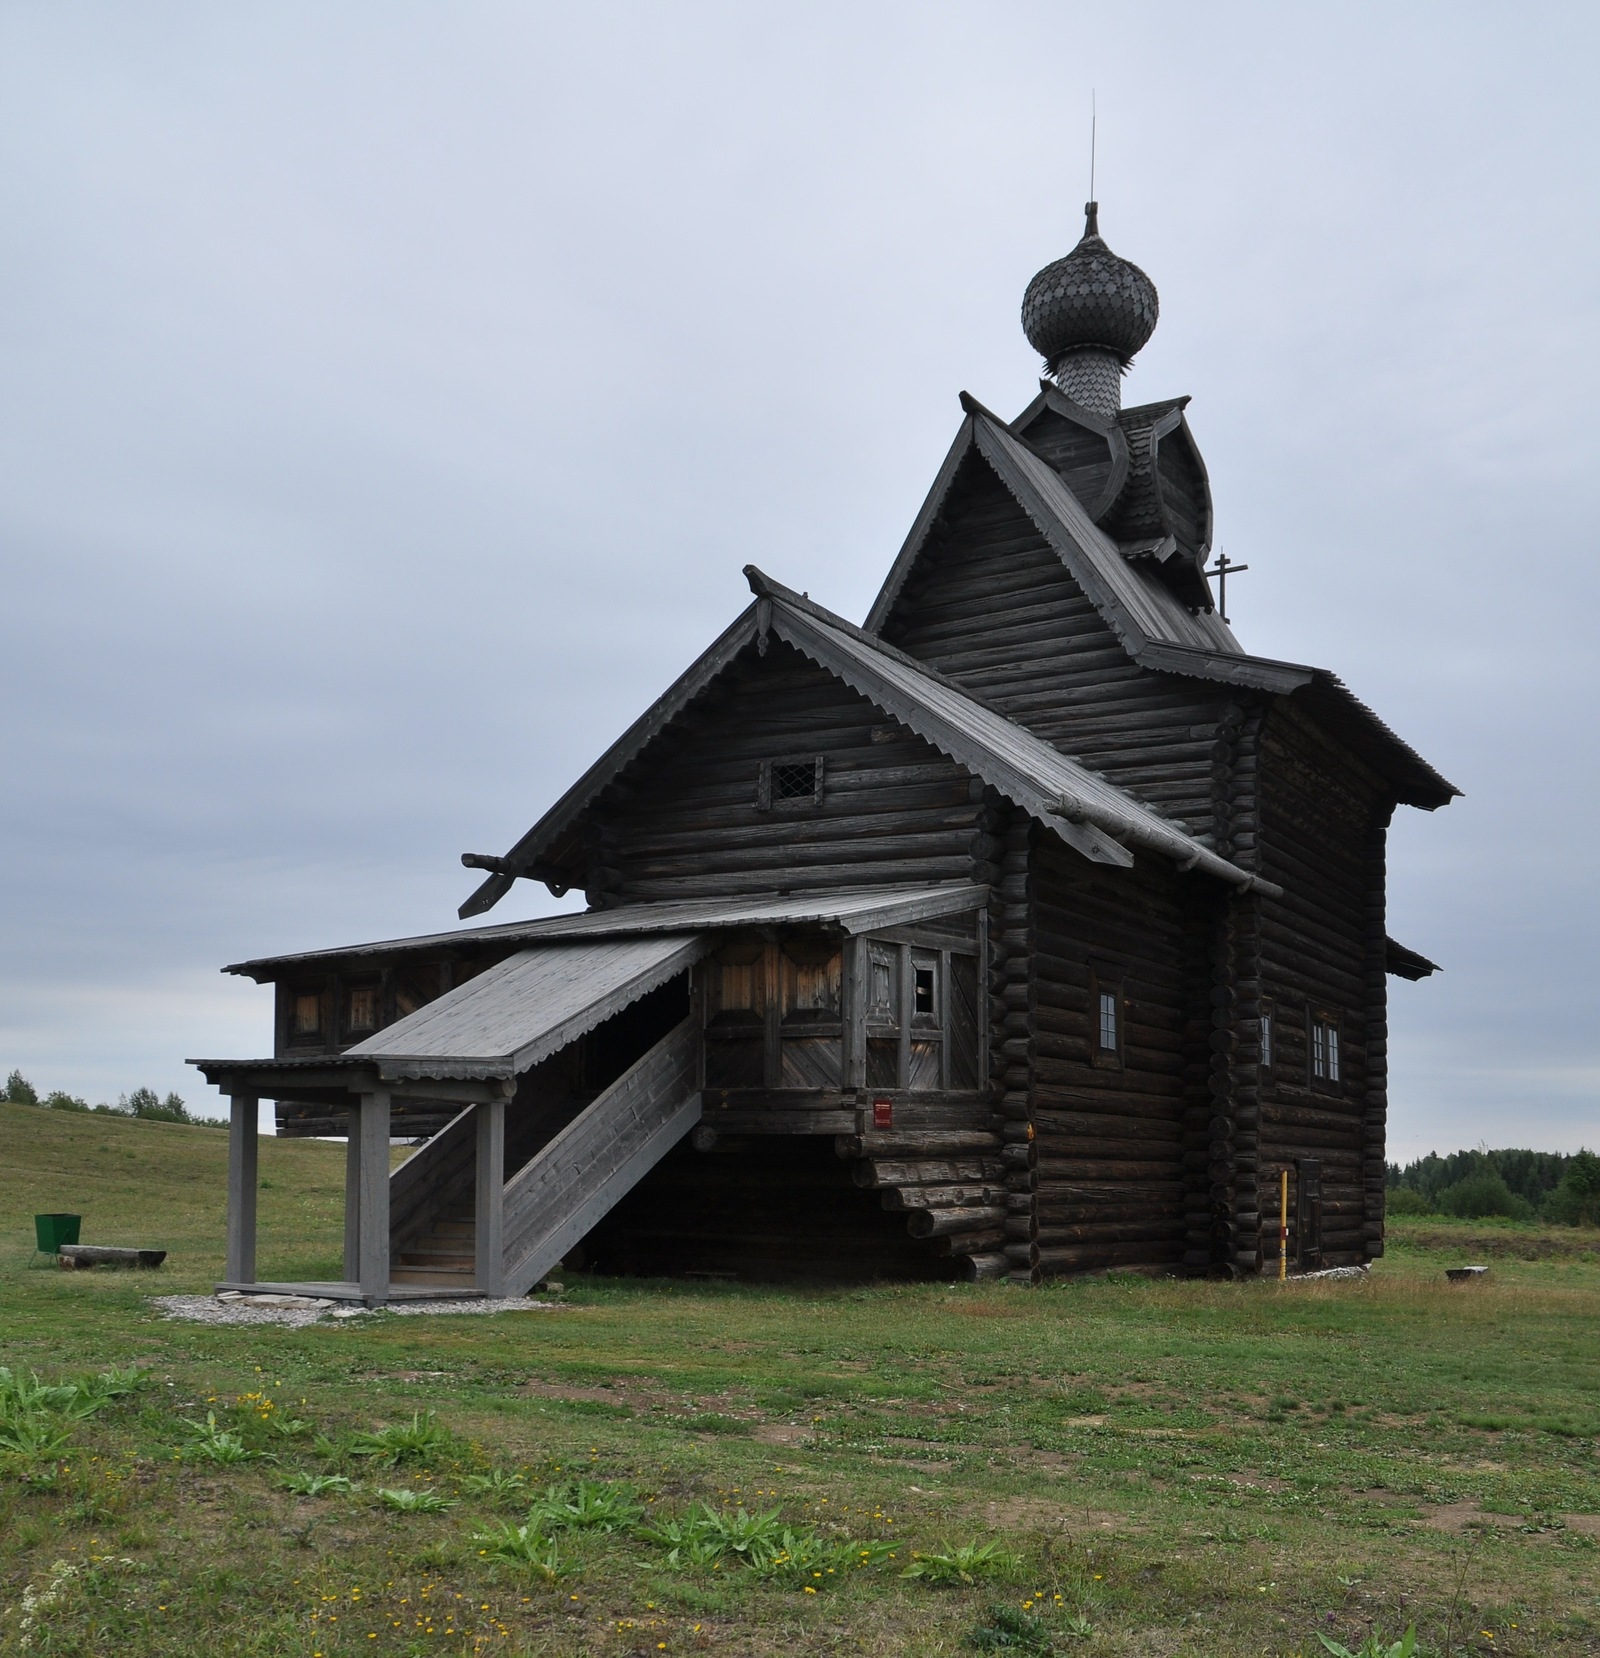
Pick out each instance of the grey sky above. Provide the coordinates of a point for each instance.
(390, 394)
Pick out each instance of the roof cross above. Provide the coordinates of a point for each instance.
(1222, 569)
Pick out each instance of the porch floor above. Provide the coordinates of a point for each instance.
(352, 1292)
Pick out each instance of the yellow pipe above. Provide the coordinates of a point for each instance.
(1283, 1228)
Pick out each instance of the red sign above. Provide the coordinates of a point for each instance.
(883, 1113)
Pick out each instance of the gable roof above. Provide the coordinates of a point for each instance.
(1155, 628)
(1081, 807)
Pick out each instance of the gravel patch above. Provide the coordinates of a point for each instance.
(207, 1309)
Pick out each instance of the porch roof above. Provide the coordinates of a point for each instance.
(499, 1023)
(858, 910)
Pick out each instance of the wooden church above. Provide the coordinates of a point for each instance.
(1030, 927)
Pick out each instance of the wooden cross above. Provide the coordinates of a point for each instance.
(1222, 569)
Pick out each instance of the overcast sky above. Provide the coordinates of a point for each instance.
(390, 394)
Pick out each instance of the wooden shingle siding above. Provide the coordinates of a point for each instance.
(893, 808)
(1321, 951)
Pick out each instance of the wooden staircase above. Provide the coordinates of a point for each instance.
(567, 1179)
(443, 1255)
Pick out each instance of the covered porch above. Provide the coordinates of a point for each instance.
(448, 1072)
(372, 1108)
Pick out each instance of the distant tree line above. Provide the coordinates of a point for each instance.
(142, 1102)
(1521, 1185)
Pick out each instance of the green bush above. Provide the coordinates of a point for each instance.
(1403, 1200)
(19, 1091)
(1481, 1195)
(1576, 1201)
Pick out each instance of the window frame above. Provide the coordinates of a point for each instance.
(1324, 1059)
(768, 801)
(1107, 983)
(1267, 1034)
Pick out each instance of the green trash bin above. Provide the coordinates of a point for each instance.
(52, 1231)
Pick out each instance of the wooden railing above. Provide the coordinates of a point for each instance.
(434, 1176)
(557, 1196)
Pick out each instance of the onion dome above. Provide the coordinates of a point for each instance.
(1091, 300)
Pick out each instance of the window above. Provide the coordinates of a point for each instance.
(790, 783)
(1108, 1022)
(1105, 1018)
(1324, 1049)
(306, 1019)
(1266, 1036)
(364, 1008)
(922, 991)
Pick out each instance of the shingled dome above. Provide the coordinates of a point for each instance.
(1089, 299)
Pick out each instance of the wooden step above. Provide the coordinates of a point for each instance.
(451, 1260)
(460, 1279)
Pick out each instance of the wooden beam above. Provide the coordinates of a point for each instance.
(489, 1246)
(352, 1203)
(244, 1143)
(374, 1181)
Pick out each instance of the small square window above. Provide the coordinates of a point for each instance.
(307, 1018)
(790, 783)
(364, 1008)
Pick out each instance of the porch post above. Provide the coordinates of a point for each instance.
(489, 1229)
(374, 1184)
(352, 1198)
(243, 1145)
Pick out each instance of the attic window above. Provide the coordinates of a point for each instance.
(306, 1019)
(790, 782)
(364, 1008)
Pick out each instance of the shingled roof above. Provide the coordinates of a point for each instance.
(1090, 814)
(1148, 619)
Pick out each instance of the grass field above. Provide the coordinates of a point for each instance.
(1163, 1468)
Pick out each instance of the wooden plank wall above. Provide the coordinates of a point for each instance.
(991, 604)
(685, 820)
(1116, 1183)
(1321, 820)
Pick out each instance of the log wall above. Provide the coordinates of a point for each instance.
(686, 820)
(991, 604)
(1322, 820)
(1115, 1137)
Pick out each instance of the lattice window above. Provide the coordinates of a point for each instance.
(1324, 1050)
(790, 783)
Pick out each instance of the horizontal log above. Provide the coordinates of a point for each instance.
(904, 1143)
(938, 1223)
(897, 1199)
(82, 1256)
(926, 1171)
(971, 1243)
(985, 1267)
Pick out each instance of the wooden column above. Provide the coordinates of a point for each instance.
(374, 1183)
(352, 1199)
(489, 1230)
(244, 1134)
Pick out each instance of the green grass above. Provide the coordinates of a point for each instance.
(1161, 1468)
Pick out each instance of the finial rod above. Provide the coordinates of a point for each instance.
(1091, 218)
